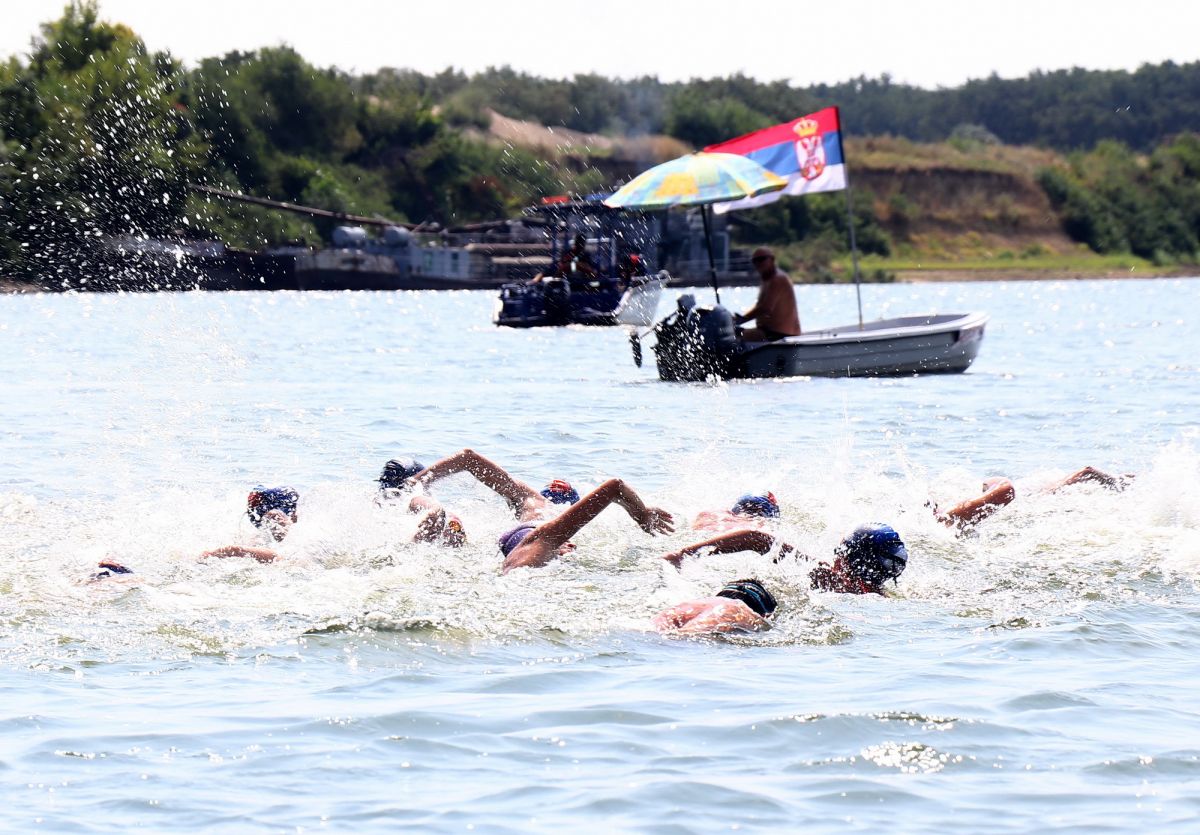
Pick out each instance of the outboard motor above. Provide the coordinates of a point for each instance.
(557, 300)
(696, 343)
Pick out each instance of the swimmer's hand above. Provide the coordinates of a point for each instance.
(656, 520)
(675, 558)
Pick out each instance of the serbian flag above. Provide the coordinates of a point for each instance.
(807, 152)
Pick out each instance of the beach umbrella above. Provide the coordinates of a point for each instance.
(699, 179)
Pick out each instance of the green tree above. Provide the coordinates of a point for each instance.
(98, 143)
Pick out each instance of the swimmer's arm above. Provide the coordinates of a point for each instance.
(653, 520)
(614, 491)
(241, 551)
(730, 543)
(981, 507)
(1087, 474)
(489, 474)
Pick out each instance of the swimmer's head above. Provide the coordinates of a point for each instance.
(560, 492)
(763, 505)
(752, 593)
(110, 568)
(509, 540)
(398, 471)
(873, 553)
(454, 535)
(264, 499)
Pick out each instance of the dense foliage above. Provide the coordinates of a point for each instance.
(1116, 201)
(99, 136)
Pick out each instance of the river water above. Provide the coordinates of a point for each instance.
(1040, 675)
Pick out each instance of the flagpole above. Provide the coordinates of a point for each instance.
(850, 225)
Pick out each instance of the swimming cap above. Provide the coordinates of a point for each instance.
(511, 539)
(560, 492)
(874, 553)
(397, 471)
(752, 593)
(108, 569)
(751, 505)
(262, 500)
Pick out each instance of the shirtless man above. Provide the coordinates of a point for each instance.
(743, 605)
(999, 492)
(871, 555)
(775, 310)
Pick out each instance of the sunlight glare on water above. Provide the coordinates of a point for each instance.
(1038, 674)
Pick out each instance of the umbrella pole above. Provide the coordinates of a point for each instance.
(712, 264)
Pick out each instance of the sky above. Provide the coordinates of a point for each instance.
(928, 43)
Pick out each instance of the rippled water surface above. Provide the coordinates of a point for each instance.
(1038, 675)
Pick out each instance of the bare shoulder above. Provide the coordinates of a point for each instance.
(711, 615)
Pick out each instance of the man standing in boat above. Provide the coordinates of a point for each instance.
(775, 311)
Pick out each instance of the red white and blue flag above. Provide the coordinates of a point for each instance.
(807, 152)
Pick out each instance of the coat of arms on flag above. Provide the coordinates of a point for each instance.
(807, 152)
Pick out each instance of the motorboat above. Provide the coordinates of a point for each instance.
(695, 344)
(560, 301)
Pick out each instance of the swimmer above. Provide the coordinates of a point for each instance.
(395, 475)
(863, 561)
(866, 559)
(743, 605)
(528, 504)
(271, 510)
(999, 492)
(749, 511)
(109, 569)
(437, 526)
(532, 545)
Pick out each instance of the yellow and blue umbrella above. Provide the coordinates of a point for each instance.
(697, 180)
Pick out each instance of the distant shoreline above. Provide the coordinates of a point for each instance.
(10, 286)
(1018, 274)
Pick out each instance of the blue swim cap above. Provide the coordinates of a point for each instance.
(397, 471)
(752, 505)
(752, 593)
(263, 500)
(511, 539)
(560, 492)
(874, 553)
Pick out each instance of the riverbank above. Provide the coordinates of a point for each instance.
(918, 275)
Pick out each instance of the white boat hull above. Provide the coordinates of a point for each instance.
(697, 344)
(933, 344)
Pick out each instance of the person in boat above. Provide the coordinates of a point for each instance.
(753, 510)
(533, 545)
(743, 605)
(866, 559)
(628, 269)
(526, 502)
(576, 265)
(774, 312)
(1000, 492)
